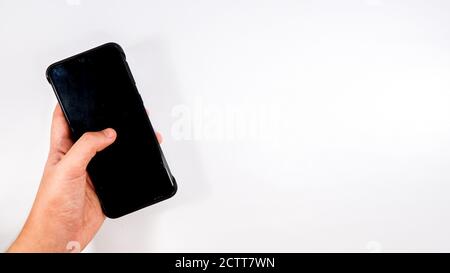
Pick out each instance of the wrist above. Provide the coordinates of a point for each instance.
(32, 238)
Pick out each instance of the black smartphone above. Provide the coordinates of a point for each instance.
(96, 91)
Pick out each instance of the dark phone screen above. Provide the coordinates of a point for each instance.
(96, 90)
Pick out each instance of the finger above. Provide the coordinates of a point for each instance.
(159, 137)
(60, 141)
(78, 157)
(60, 128)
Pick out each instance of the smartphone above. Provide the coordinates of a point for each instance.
(96, 90)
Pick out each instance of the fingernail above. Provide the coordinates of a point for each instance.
(109, 133)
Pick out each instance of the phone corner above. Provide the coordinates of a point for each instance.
(111, 215)
(48, 72)
(174, 187)
(116, 46)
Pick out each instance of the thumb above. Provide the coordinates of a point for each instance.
(82, 151)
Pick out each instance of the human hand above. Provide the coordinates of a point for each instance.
(66, 212)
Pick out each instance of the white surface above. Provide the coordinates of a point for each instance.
(350, 101)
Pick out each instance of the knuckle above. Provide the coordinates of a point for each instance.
(88, 137)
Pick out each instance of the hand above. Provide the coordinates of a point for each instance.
(66, 213)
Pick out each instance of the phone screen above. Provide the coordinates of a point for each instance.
(96, 91)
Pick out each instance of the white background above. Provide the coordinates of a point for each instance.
(357, 157)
